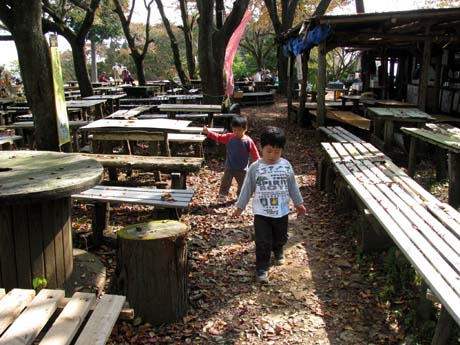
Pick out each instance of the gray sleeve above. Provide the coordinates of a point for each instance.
(249, 186)
(294, 191)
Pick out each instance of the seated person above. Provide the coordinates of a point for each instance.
(103, 78)
(127, 78)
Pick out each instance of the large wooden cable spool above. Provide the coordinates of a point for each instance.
(152, 269)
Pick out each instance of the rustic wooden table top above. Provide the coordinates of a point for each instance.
(27, 176)
(409, 114)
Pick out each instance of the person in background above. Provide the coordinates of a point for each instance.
(273, 183)
(240, 147)
(103, 78)
(126, 77)
(258, 75)
(116, 72)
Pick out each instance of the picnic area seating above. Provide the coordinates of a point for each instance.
(347, 118)
(180, 165)
(426, 230)
(175, 200)
(7, 141)
(26, 316)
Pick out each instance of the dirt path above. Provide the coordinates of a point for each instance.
(318, 297)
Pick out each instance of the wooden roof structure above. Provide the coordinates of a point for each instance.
(401, 29)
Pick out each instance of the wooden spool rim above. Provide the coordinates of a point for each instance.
(154, 230)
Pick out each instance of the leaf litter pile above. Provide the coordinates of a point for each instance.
(324, 294)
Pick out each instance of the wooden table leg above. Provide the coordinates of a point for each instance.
(412, 156)
(454, 179)
(388, 134)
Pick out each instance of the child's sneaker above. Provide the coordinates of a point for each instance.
(279, 258)
(262, 276)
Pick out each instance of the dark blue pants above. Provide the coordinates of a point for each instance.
(271, 235)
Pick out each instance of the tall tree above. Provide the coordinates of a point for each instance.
(258, 42)
(214, 34)
(174, 46)
(61, 20)
(24, 21)
(359, 6)
(280, 25)
(138, 51)
(187, 28)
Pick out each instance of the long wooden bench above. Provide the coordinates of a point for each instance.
(24, 315)
(346, 117)
(174, 165)
(174, 200)
(426, 230)
(6, 141)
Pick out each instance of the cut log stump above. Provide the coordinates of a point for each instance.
(152, 270)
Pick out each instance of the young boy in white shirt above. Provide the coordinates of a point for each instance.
(273, 183)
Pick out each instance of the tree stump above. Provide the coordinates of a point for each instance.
(152, 273)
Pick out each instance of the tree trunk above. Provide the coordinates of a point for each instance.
(282, 71)
(152, 270)
(359, 6)
(24, 22)
(212, 45)
(79, 63)
(93, 61)
(139, 62)
(174, 46)
(188, 40)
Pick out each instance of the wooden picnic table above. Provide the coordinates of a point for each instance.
(386, 118)
(35, 209)
(391, 103)
(445, 137)
(87, 105)
(139, 91)
(112, 99)
(356, 99)
(210, 109)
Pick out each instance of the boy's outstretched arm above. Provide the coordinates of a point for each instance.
(205, 130)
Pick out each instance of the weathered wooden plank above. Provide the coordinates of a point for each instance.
(8, 272)
(12, 305)
(149, 163)
(131, 135)
(21, 247)
(70, 319)
(178, 198)
(184, 137)
(27, 326)
(102, 320)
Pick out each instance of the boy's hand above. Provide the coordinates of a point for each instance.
(301, 210)
(205, 130)
(237, 212)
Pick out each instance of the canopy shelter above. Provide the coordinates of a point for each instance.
(420, 48)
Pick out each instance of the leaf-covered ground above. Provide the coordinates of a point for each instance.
(326, 293)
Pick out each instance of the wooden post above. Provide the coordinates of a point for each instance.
(454, 179)
(152, 271)
(443, 328)
(423, 84)
(384, 74)
(100, 220)
(289, 83)
(412, 157)
(303, 88)
(321, 87)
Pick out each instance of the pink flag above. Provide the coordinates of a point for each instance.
(230, 51)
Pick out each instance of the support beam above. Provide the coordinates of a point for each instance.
(321, 86)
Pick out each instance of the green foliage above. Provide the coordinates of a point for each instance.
(39, 283)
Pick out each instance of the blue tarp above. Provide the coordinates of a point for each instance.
(314, 37)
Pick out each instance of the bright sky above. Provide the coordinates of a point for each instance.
(9, 49)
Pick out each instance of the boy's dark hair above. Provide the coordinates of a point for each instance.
(273, 136)
(239, 121)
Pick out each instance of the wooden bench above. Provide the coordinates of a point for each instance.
(6, 141)
(180, 166)
(346, 117)
(174, 200)
(357, 148)
(426, 230)
(195, 139)
(25, 315)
